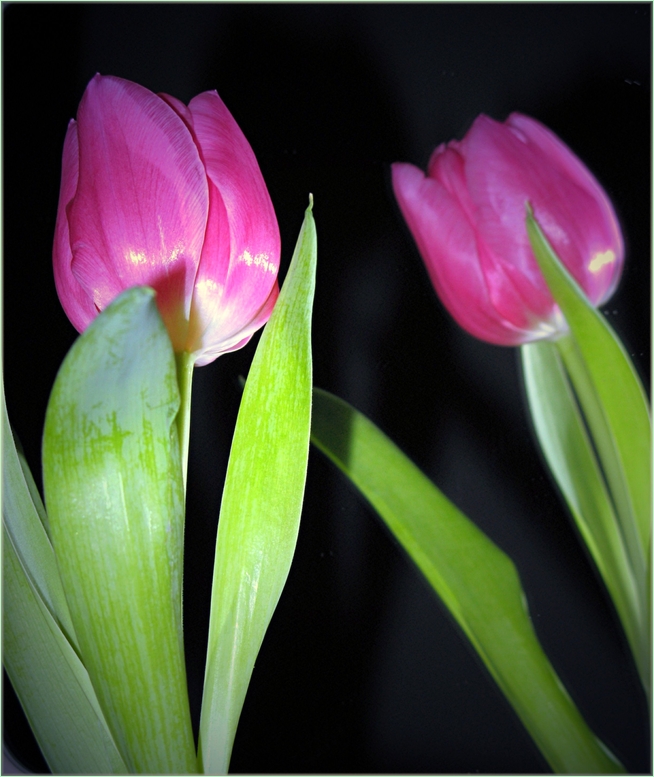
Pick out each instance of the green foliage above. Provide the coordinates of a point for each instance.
(114, 497)
(261, 505)
(474, 579)
(39, 646)
(608, 485)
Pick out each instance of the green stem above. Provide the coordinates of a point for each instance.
(185, 364)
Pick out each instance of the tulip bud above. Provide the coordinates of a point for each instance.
(467, 216)
(159, 194)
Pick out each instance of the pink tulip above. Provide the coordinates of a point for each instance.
(467, 216)
(159, 194)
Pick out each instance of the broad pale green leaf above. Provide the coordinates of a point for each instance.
(475, 580)
(261, 505)
(571, 458)
(52, 684)
(114, 497)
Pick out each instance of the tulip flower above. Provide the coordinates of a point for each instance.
(467, 216)
(160, 194)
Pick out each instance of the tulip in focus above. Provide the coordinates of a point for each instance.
(467, 216)
(159, 194)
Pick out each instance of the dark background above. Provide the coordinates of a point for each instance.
(361, 669)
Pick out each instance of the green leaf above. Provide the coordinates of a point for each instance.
(114, 497)
(52, 684)
(24, 518)
(261, 505)
(623, 428)
(475, 580)
(616, 411)
(32, 488)
(571, 458)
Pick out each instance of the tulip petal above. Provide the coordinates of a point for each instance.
(77, 304)
(475, 220)
(211, 352)
(597, 226)
(500, 174)
(447, 243)
(504, 171)
(179, 107)
(140, 211)
(447, 166)
(240, 259)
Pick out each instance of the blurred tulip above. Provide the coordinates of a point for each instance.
(467, 216)
(159, 194)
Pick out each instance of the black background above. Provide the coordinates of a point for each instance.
(361, 669)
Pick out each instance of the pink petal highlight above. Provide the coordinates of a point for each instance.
(241, 252)
(243, 337)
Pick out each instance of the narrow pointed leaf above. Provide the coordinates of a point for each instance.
(261, 505)
(23, 516)
(475, 580)
(52, 684)
(616, 411)
(32, 488)
(572, 461)
(610, 392)
(114, 497)
(50, 681)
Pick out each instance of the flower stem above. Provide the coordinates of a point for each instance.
(185, 364)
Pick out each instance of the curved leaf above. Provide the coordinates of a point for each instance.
(571, 458)
(49, 679)
(261, 505)
(24, 518)
(475, 580)
(616, 411)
